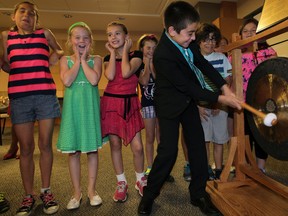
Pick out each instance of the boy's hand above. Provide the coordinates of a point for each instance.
(230, 100)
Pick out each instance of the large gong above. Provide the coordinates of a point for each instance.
(267, 92)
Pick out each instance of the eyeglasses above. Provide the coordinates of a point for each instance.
(212, 40)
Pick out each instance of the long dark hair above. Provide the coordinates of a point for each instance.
(144, 38)
(261, 44)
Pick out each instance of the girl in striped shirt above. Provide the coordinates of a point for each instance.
(32, 94)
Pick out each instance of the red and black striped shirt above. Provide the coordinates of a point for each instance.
(28, 56)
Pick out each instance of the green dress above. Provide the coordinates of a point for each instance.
(80, 128)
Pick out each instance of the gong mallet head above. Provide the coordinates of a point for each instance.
(269, 119)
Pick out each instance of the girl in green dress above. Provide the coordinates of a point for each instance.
(80, 130)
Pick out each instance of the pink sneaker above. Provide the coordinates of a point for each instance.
(140, 185)
(121, 194)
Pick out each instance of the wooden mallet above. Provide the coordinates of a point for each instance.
(269, 119)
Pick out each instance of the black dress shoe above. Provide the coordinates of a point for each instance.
(145, 207)
(206, 206)
(170, 179)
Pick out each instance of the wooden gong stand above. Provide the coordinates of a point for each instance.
(250, 192)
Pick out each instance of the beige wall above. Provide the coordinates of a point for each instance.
(244, 7)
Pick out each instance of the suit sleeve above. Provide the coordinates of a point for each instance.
(171, 71)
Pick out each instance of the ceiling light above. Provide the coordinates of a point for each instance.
(7, 13)
(67, 16)
(120, 18)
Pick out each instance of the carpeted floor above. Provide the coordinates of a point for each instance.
(174, 199)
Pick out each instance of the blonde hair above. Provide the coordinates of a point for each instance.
(70, 30)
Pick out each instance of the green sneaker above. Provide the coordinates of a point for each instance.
(147, 171)
(4, 204)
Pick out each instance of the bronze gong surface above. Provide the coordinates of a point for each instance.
(267, 91)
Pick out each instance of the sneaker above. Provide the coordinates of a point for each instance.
(147, 171)
(121, 194)
(4, 204)
(211, 175)
(187, 173)
(26, 206)
(217, 173)
(140, 185)
(232, 169)
(50, 206)
(263, 170)
(170, 178)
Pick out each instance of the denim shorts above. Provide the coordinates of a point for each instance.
(148, 112)
(33, 108)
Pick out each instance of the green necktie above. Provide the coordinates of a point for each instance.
(197, 72)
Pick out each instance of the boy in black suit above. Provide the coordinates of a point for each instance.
(179, 85)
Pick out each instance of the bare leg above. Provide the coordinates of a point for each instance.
(208, 151)
(150, 137)
(46, 127)
(138, 154)
(92, 173)
(261, 163)
(218, 155)
(75, 173)
(116, 154)
(25, 134)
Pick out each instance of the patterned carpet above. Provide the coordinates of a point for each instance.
(174, 199)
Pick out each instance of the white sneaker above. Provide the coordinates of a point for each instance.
(96, 200)
(74, 203)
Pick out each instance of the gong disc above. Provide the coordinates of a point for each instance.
(267, 91)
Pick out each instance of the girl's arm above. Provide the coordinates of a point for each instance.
(129, 67)
(54, 45)
(93, 74)
(145, 74)
(5, 63)
(68, 75)
(110, 67)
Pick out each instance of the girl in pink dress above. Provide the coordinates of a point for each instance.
(249, 62)
(120, 107)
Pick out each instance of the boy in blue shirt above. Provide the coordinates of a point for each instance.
(179, 86)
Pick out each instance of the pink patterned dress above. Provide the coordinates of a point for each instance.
(250, 61)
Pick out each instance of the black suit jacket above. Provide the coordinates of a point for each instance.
(176, 84)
